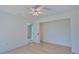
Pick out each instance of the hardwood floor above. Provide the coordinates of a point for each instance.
(42, 48)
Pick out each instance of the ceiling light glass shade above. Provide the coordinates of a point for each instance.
(36, 13)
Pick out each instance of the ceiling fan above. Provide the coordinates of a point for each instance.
(37, 10)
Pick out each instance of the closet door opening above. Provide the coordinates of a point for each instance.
(56, 32)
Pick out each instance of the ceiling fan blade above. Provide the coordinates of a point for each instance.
(46, 8)
(36, 6)
(38, 9)
(32, 9)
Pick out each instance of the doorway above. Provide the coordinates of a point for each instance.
(56, 32)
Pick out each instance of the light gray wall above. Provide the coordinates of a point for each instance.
(12, 31)
(57, 32)
(75, 32)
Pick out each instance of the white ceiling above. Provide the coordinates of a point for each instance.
(23, 10)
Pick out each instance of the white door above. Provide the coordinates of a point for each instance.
(36, 32)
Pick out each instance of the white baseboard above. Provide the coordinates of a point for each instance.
(5, 52)
(57, 44)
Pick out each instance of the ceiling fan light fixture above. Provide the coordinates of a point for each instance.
(35, 11)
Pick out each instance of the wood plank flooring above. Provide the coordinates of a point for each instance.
(42, 48)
